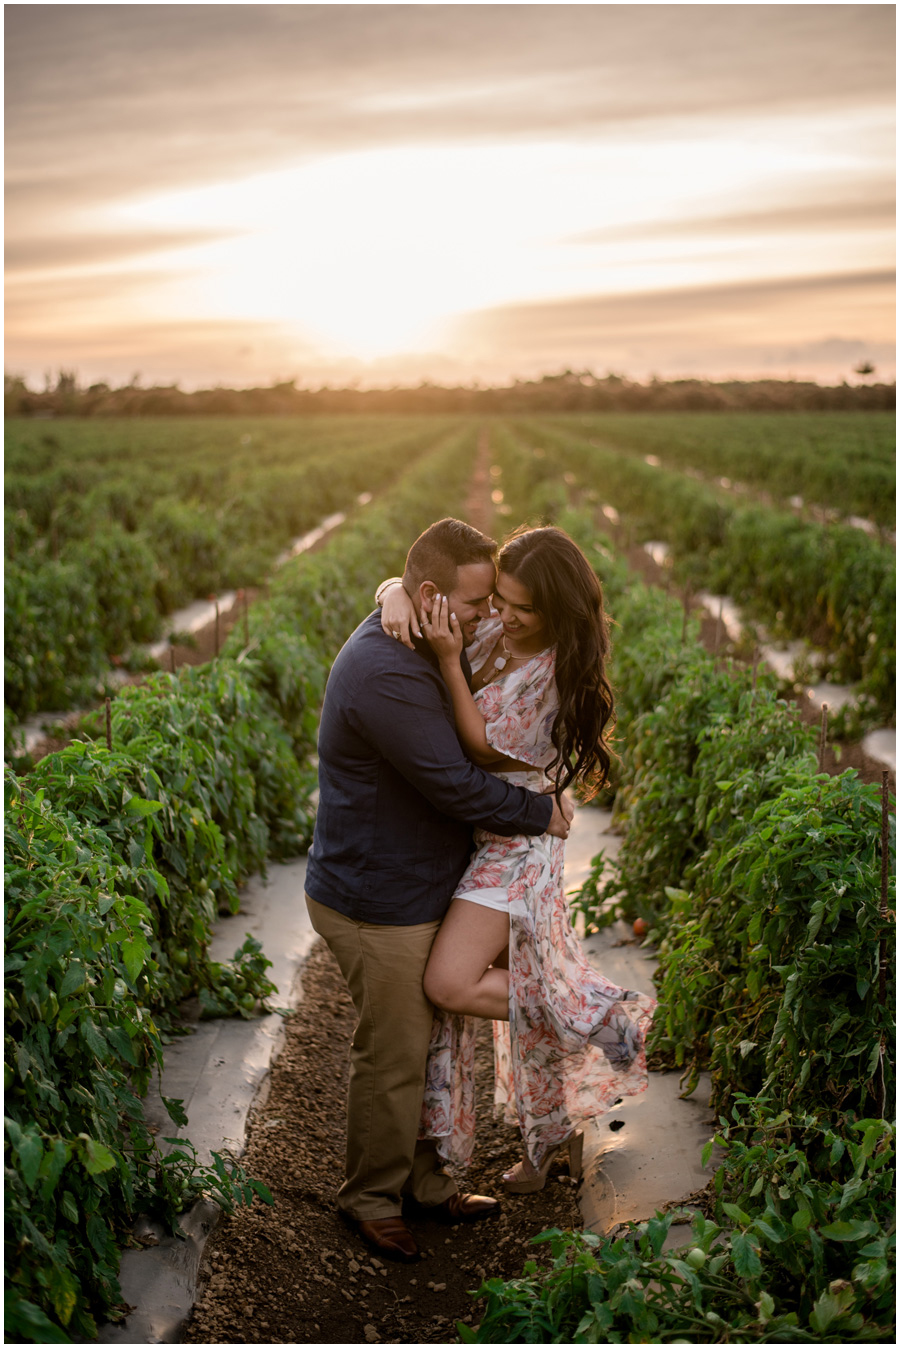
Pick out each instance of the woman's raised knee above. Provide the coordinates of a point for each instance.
(440, 990)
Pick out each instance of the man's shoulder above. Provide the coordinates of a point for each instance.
(369, 651)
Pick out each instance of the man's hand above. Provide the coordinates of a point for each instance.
(560, 819)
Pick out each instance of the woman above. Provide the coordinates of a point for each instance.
(536, 713)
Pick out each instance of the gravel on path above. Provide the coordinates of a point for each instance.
(294, 1273)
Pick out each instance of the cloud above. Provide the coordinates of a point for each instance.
(818, 328)
(866, 213)
(61, 251)
(721, 329)
(118, 105)
(107, 100)
(193, 354)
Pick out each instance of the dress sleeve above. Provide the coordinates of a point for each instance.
(483, 643)
(519, 715)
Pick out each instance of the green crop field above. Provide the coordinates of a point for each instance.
(767, 888)
(121, 522)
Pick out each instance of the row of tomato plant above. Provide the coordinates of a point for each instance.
(760, 879)
(843, 462)
(109, 526)
(117, 862)
(830, 584)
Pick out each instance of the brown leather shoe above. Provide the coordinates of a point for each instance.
(390, 1236)
(463, 1208)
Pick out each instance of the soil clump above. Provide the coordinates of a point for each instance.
(294, 1273)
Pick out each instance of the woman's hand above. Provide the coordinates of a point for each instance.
(443, 632)
(398, 616)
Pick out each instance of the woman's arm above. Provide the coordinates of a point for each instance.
(444, 635)
(398, 614)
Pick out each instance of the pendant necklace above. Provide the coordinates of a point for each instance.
(502, 660)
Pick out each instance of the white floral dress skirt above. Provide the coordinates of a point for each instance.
(574, 1044)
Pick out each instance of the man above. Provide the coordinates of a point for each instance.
(397, 799)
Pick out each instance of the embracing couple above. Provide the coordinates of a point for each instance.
(454, 719)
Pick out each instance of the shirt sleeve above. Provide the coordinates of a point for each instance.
(407, 720)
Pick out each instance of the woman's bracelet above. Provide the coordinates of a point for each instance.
(385, 586)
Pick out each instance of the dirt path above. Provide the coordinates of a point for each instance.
(294, 1273)
(479, 509)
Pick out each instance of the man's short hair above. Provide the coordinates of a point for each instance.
(441, 550)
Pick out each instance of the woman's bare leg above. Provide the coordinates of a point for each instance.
(458, 976)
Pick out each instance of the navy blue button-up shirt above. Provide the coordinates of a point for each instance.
(397, 796)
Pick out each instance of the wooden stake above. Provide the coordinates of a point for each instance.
(172, 658)
(718, 637)
(108, 726)
(885, 876)
(823, 736)
(686, 605)
(755, 667)
(879, 1087)
(216, 602)
(246, 618)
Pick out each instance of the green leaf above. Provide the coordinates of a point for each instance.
(94, 1040)
(23, 1061)
(849, 1230)
(30, 1152)
(26, 1323)
(826, 1310)
(137, 805)
(766, 1308)
(767, 1229)
(134, 953)
(872, 1064)
(63, 1291)
(97, 1157)
(69, 1206)
(737, 1214)
(744, 1255)
(73, 980)
(175, 1110)
(53, 1165)
(98, 1234)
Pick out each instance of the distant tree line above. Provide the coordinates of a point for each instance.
(570, 391)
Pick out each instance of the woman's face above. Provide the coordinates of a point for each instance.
(521, 622)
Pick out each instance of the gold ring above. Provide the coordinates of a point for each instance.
(395, 635)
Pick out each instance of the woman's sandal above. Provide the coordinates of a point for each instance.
(524, 1179)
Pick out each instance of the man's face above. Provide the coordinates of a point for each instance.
(470, 598)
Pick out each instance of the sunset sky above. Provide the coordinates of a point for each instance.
(383, 194)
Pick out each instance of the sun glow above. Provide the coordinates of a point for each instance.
(377, 252)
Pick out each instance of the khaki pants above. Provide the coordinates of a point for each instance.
(383, 967)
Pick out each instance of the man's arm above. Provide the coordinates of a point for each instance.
(405, 717)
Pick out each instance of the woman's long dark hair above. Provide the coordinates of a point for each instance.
(566, 593)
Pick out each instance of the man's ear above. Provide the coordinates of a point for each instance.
(427, 593)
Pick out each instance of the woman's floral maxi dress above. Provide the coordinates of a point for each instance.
(575, 1042)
